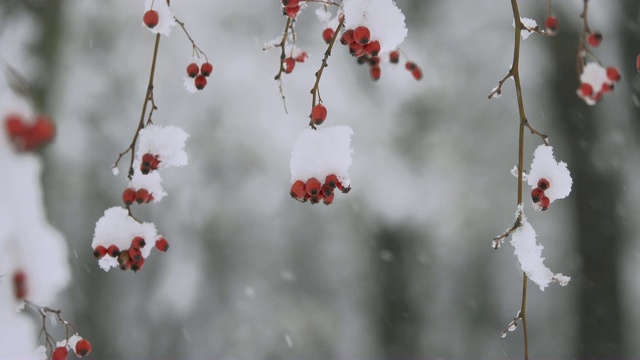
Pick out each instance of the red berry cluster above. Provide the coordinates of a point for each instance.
(131, 258)
(150, 18)
(359, 42)
(29, 136)
(82, 349)
(199, 74)
(588, 92)
(551, 25)
(394, 58)
(149, 163)
(141, 196)
(20, 284)
(313, 191)
(537, 194)
(290, 62)
(290, 8)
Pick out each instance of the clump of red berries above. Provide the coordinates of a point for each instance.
(141, 196)
(131, 258)
(29, 136)
(150, 18)
(149, 163)
(291, 8)
(551, 25)
(538, 197)
(314, 191)
(359, 42)
(199, 74)
(591, 90)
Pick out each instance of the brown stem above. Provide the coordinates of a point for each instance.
(197, 51)
(281, 45)
(315, 90)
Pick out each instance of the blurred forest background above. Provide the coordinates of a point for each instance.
(402, 267)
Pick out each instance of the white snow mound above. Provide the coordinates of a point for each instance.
(544, 165)
(383, 18)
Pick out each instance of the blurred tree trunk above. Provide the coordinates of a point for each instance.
(597, 195)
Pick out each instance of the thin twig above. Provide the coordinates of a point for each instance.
(315, 90)
(196, 50)
(281, 45)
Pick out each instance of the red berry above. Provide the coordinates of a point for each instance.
(42, 130)
(543, 184)
(200, 82)
(410, 65)
(318, 114)
(375, 72)
(551, 25)
(363, 59)
(343, 189)
(347, 37)
(113, 251)
(136, 265)
(356, 49)
(124, 260)
(142, 195)
(638, 63)
(138, 242)
(594, 39)
(613, 74)
(331, 180)
(586, 89)
(316, 198)
(144, 169)
(20, 284)
(327, 35)
(313, 187)
(162, 244)
(544, 203)
(99, 252)
(301, 57)
(536, 195)
(135, 253)
(147, 159)
(150, 18)
(606, 88)
(154, 163)
(59, 353)
(372, 48)
(417, 73)
(374, 61)
(15, 126)
(328, 200)
(83, 348)
(193, 70)
(292, 12)
(361, 35)
(289, 64)
(206, 69)
(129, 196)
(298, 190)
(394, 57)
(326, 190)
(150, 199)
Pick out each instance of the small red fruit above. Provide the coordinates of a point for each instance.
(292, 12)
(290, 3)
(361, 35)
(162, 244)
(42, 131)
(543, 184)
(410, 65)
(328, 200)
(536, 195)
(313, 187)
(193, 70)
(289, 65)
(375, 72)
(372, 48)
(374, 61)
(347, 37)
(136, 265)
(155, 162)
(316, 198)
(606, 88)
(586, 89)
(332, 181)
(544, 203)
(206, 69)
(326, 190)
(59, 353)
(142, 195)
(594, 39)
(200, 82)
(301, 57)
(151, 18)
(417, 73)
(113, 251)
(356, 49)
(99, 252)
(147, 159)
(327, 35)
(15, 126)
(613, 74)
(135, 253)
(129, 196)
(20, 284)
(138, 242)
(394, 57)
(318, 114)
(298, 190)
(83, 348)
(551, 25)
(638, 63)
(124, 260)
